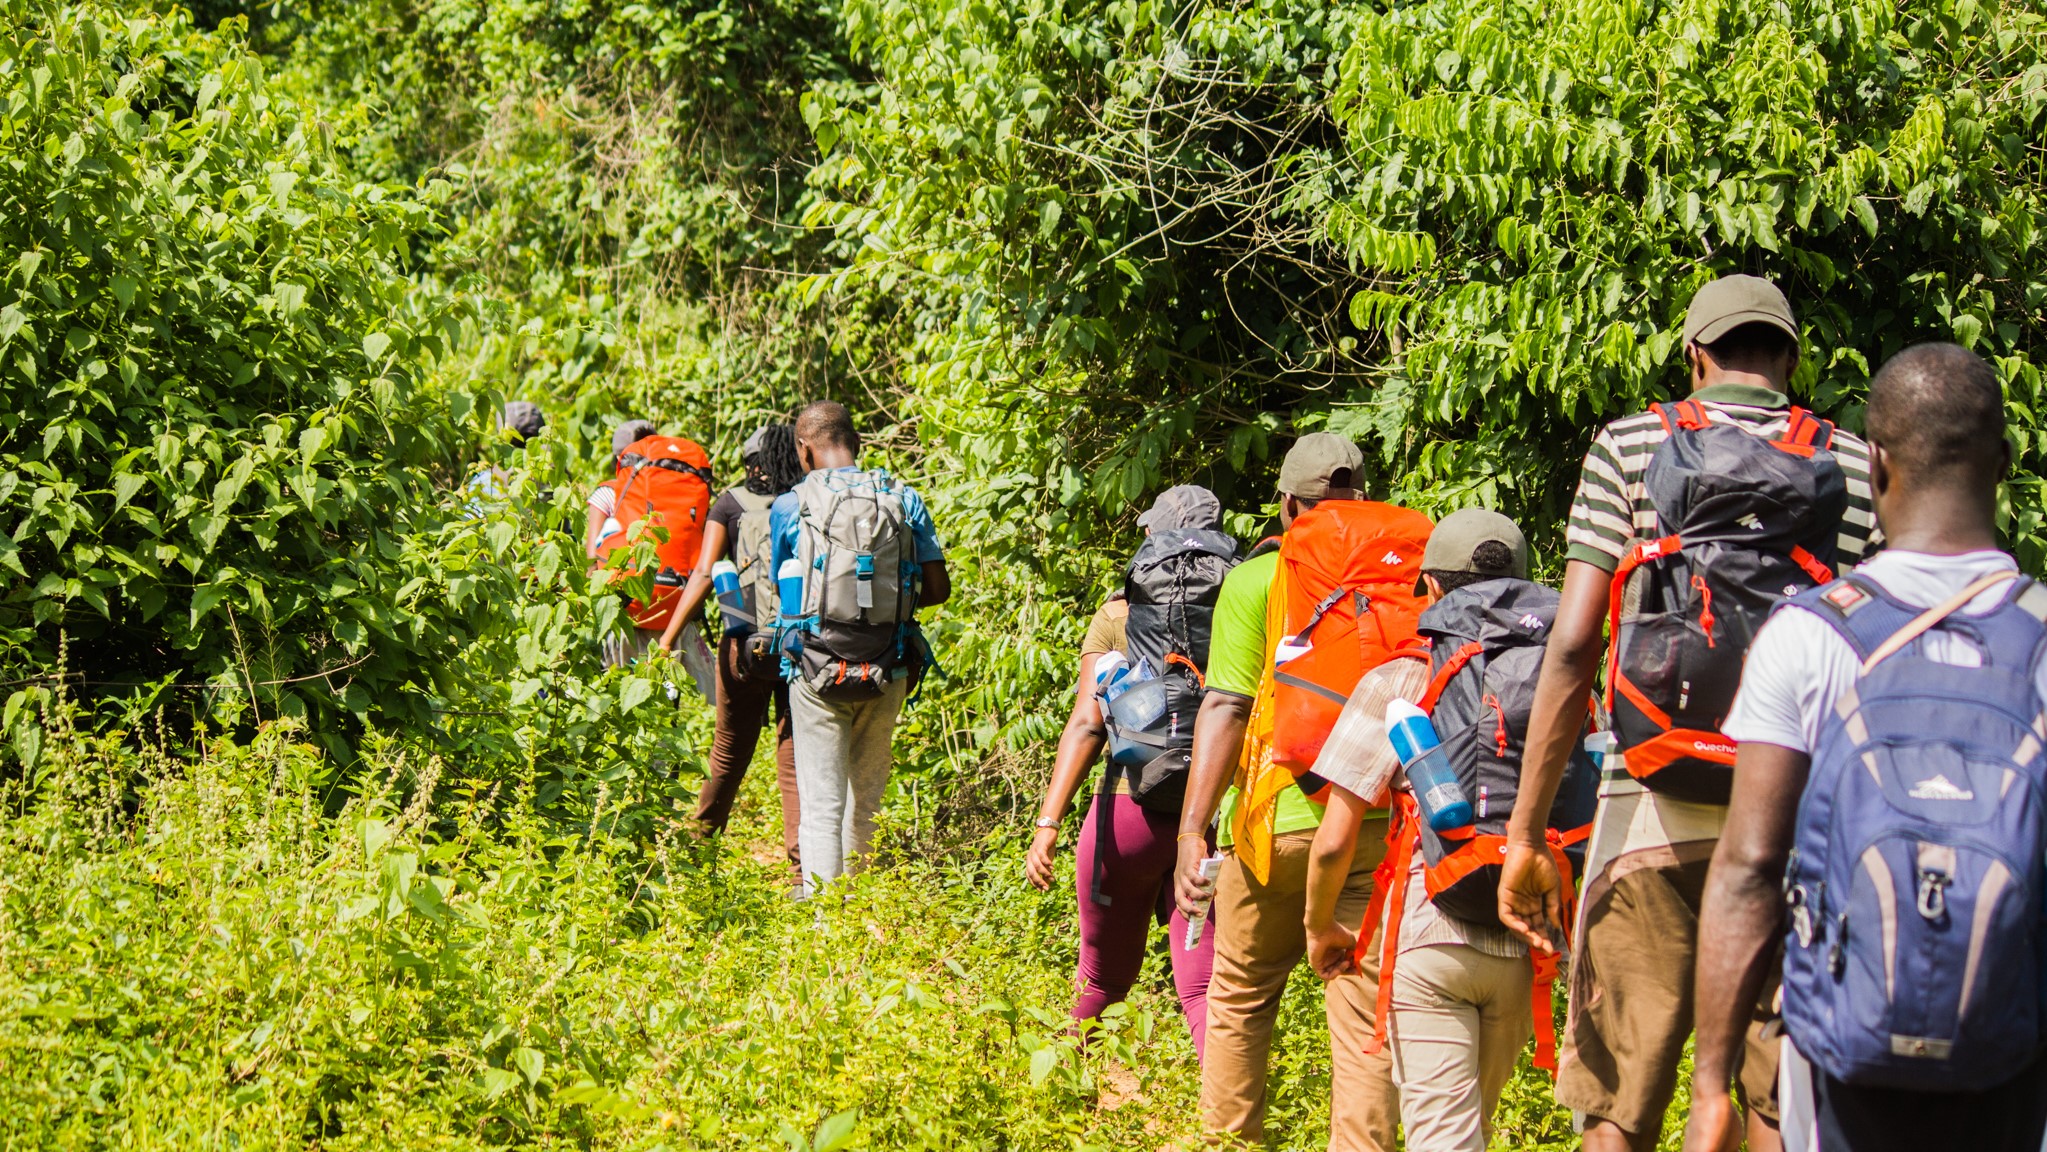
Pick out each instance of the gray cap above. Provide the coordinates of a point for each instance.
(756, 442)
(1318, 464)
(1732, 301)
(631, 432)
(1457, 536)
(523, 418)
(1182, 506)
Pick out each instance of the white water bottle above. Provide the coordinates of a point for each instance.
(1210, 867)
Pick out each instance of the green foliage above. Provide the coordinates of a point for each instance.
(1105, 216)
(1542, 187)
(587, 139)
(221, 962)
(216, 448)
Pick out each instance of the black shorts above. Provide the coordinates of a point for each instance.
(2009, 1118)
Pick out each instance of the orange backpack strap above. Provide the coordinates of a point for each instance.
(1807, 430)
(1646, 552)
(1455, 661)
(1685, 414)
(1389, 896)
(1547, 964)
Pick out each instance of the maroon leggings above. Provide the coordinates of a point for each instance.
(1123, 869)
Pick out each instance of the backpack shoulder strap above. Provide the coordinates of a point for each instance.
(1452, 664)
(1860, 611)
(750, 500)
(1921, 623)
(1684, 415)
(1807, 430)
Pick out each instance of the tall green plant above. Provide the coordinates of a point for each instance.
(1570, 173)
(214, 451)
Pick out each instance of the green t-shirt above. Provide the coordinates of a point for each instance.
(1236, 663)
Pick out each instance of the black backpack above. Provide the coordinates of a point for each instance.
(1745, 522)
(1486, 643)
(1171, 586)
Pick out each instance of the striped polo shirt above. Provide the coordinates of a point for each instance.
(1612, 509)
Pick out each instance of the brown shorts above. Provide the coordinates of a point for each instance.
(1631, 994)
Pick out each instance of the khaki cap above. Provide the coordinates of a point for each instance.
(1312, 464)
(1457, 537)
(1731, 301)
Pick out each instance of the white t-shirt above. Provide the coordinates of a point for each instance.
(1799, 665)
(604, 498)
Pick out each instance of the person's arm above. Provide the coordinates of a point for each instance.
(593, 523)
(1079, 745)
(1531, 899)
(937, 584)
(1331, 945)
(1744, 904)
(1219, 730)
(698, 589)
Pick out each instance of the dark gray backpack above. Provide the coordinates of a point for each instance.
(1171, 585)
(1486, 643)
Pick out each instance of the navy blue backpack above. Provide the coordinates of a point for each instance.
(1914, 952)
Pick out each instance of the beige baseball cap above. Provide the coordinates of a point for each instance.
(1318, 464)
(1731, 301)
(1454, 543)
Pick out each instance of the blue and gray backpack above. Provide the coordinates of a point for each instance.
(1914, 952)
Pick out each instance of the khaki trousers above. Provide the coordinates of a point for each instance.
(1260, 939)
(1459, 1020)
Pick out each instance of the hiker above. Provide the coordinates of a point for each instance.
(516, 423)
(601, 508)
(859, 555)
(1690, 521)
(1257, 735)
(1123, 863)
(661, 496)
(749, 665)
(1456, 987)
(1922, 668)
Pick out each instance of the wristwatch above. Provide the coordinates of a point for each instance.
(1046, 822)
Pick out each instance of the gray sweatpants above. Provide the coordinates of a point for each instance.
(842, 763)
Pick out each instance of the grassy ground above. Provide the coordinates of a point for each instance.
(211, 958)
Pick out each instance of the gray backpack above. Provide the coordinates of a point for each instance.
(859, 581)
(752, 553)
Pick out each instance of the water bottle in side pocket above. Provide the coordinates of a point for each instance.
(1430, 775)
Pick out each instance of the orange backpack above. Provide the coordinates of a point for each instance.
(666, 481)
(1347, 569)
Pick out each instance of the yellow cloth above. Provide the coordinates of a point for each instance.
(1259, 781)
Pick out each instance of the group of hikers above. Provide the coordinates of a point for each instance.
(819, 567)
(1761, 782)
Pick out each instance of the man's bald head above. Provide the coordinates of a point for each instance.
(826, 422)
(1938, 413)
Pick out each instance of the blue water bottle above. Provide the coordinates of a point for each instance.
(1429, 774)
(731, 601)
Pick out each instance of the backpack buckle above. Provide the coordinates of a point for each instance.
(1933, 893)
(1801, 914)
(863, 575)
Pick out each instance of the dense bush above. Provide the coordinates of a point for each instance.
(1542, 187)
(215, 449)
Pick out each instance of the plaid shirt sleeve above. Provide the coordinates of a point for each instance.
(1357, 756)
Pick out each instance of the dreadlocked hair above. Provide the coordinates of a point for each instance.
(774, 469)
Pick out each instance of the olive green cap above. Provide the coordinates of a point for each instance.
(1319, 464)
(1731, 301)
(1457, 537)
